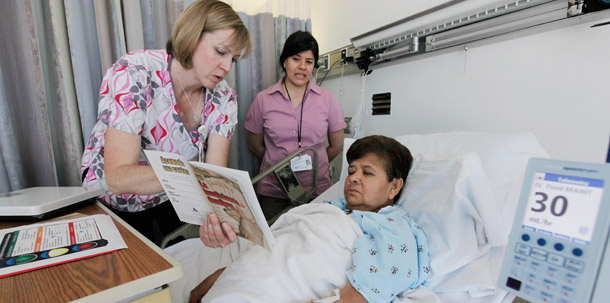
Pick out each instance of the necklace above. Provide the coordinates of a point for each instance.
(196, 117)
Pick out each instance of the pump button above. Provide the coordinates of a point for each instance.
(577, 252)
(559, 247)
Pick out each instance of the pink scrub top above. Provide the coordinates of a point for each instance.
(273, 115)
(137, 96)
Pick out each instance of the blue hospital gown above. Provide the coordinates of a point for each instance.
(391, 257)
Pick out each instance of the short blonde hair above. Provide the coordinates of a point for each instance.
(205, 16)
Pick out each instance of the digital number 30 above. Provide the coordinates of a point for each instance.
(558, 207)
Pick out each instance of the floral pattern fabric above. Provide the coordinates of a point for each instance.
(391, 256)
(137, 96)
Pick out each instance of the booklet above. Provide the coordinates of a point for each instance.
(40, 245)
(196, 189)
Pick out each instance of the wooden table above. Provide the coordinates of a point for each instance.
(122, 275)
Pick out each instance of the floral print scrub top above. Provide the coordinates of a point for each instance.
(391, 256)
(137, 96)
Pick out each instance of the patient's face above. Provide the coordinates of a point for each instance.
(367, 187)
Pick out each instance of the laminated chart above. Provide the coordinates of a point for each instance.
(36, 246)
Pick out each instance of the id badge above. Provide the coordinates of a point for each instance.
(301, 163)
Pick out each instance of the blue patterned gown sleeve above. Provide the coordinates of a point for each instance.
(391, 257)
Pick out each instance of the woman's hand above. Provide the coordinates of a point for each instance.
(214, 234)
(350, 295)
(200, 290)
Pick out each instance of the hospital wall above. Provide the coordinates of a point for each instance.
(552, 83)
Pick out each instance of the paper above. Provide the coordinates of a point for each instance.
(35, 246)
(196, 189)
(181, 186)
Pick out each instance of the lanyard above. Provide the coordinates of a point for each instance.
(302, 105)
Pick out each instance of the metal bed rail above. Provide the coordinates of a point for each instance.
(285, 161)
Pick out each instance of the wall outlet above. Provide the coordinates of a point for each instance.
(344, 55)
(325, 65)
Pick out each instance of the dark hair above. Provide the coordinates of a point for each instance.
(299, 41)
(396, 157)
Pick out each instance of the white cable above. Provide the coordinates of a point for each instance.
(357, 122)
(341, 83)
(229, 247)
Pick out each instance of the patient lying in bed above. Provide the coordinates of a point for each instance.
(462, 188)
(363, 239)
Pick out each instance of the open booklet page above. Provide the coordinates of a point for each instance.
(180, 185)
(40, 245)
(196, 188)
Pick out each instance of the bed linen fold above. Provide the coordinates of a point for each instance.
(309, 260)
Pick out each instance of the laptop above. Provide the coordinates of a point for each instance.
(43, 202)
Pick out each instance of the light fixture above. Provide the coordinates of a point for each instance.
(420, 33)
(508, 18)
(410, 46)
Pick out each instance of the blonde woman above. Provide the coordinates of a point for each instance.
(173, 100)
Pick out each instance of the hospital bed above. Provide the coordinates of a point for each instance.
(463, 189)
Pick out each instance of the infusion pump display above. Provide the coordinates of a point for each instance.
(563, 206)
(560, 233)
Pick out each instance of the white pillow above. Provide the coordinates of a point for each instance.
(449, 197)
(504, 158)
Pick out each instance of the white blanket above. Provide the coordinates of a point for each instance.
(309, 260)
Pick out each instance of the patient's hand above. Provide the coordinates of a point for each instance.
(200, 290)
(215, 235)
(350, 295)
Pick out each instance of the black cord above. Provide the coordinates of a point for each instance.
(600, 24)
(331, 67)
